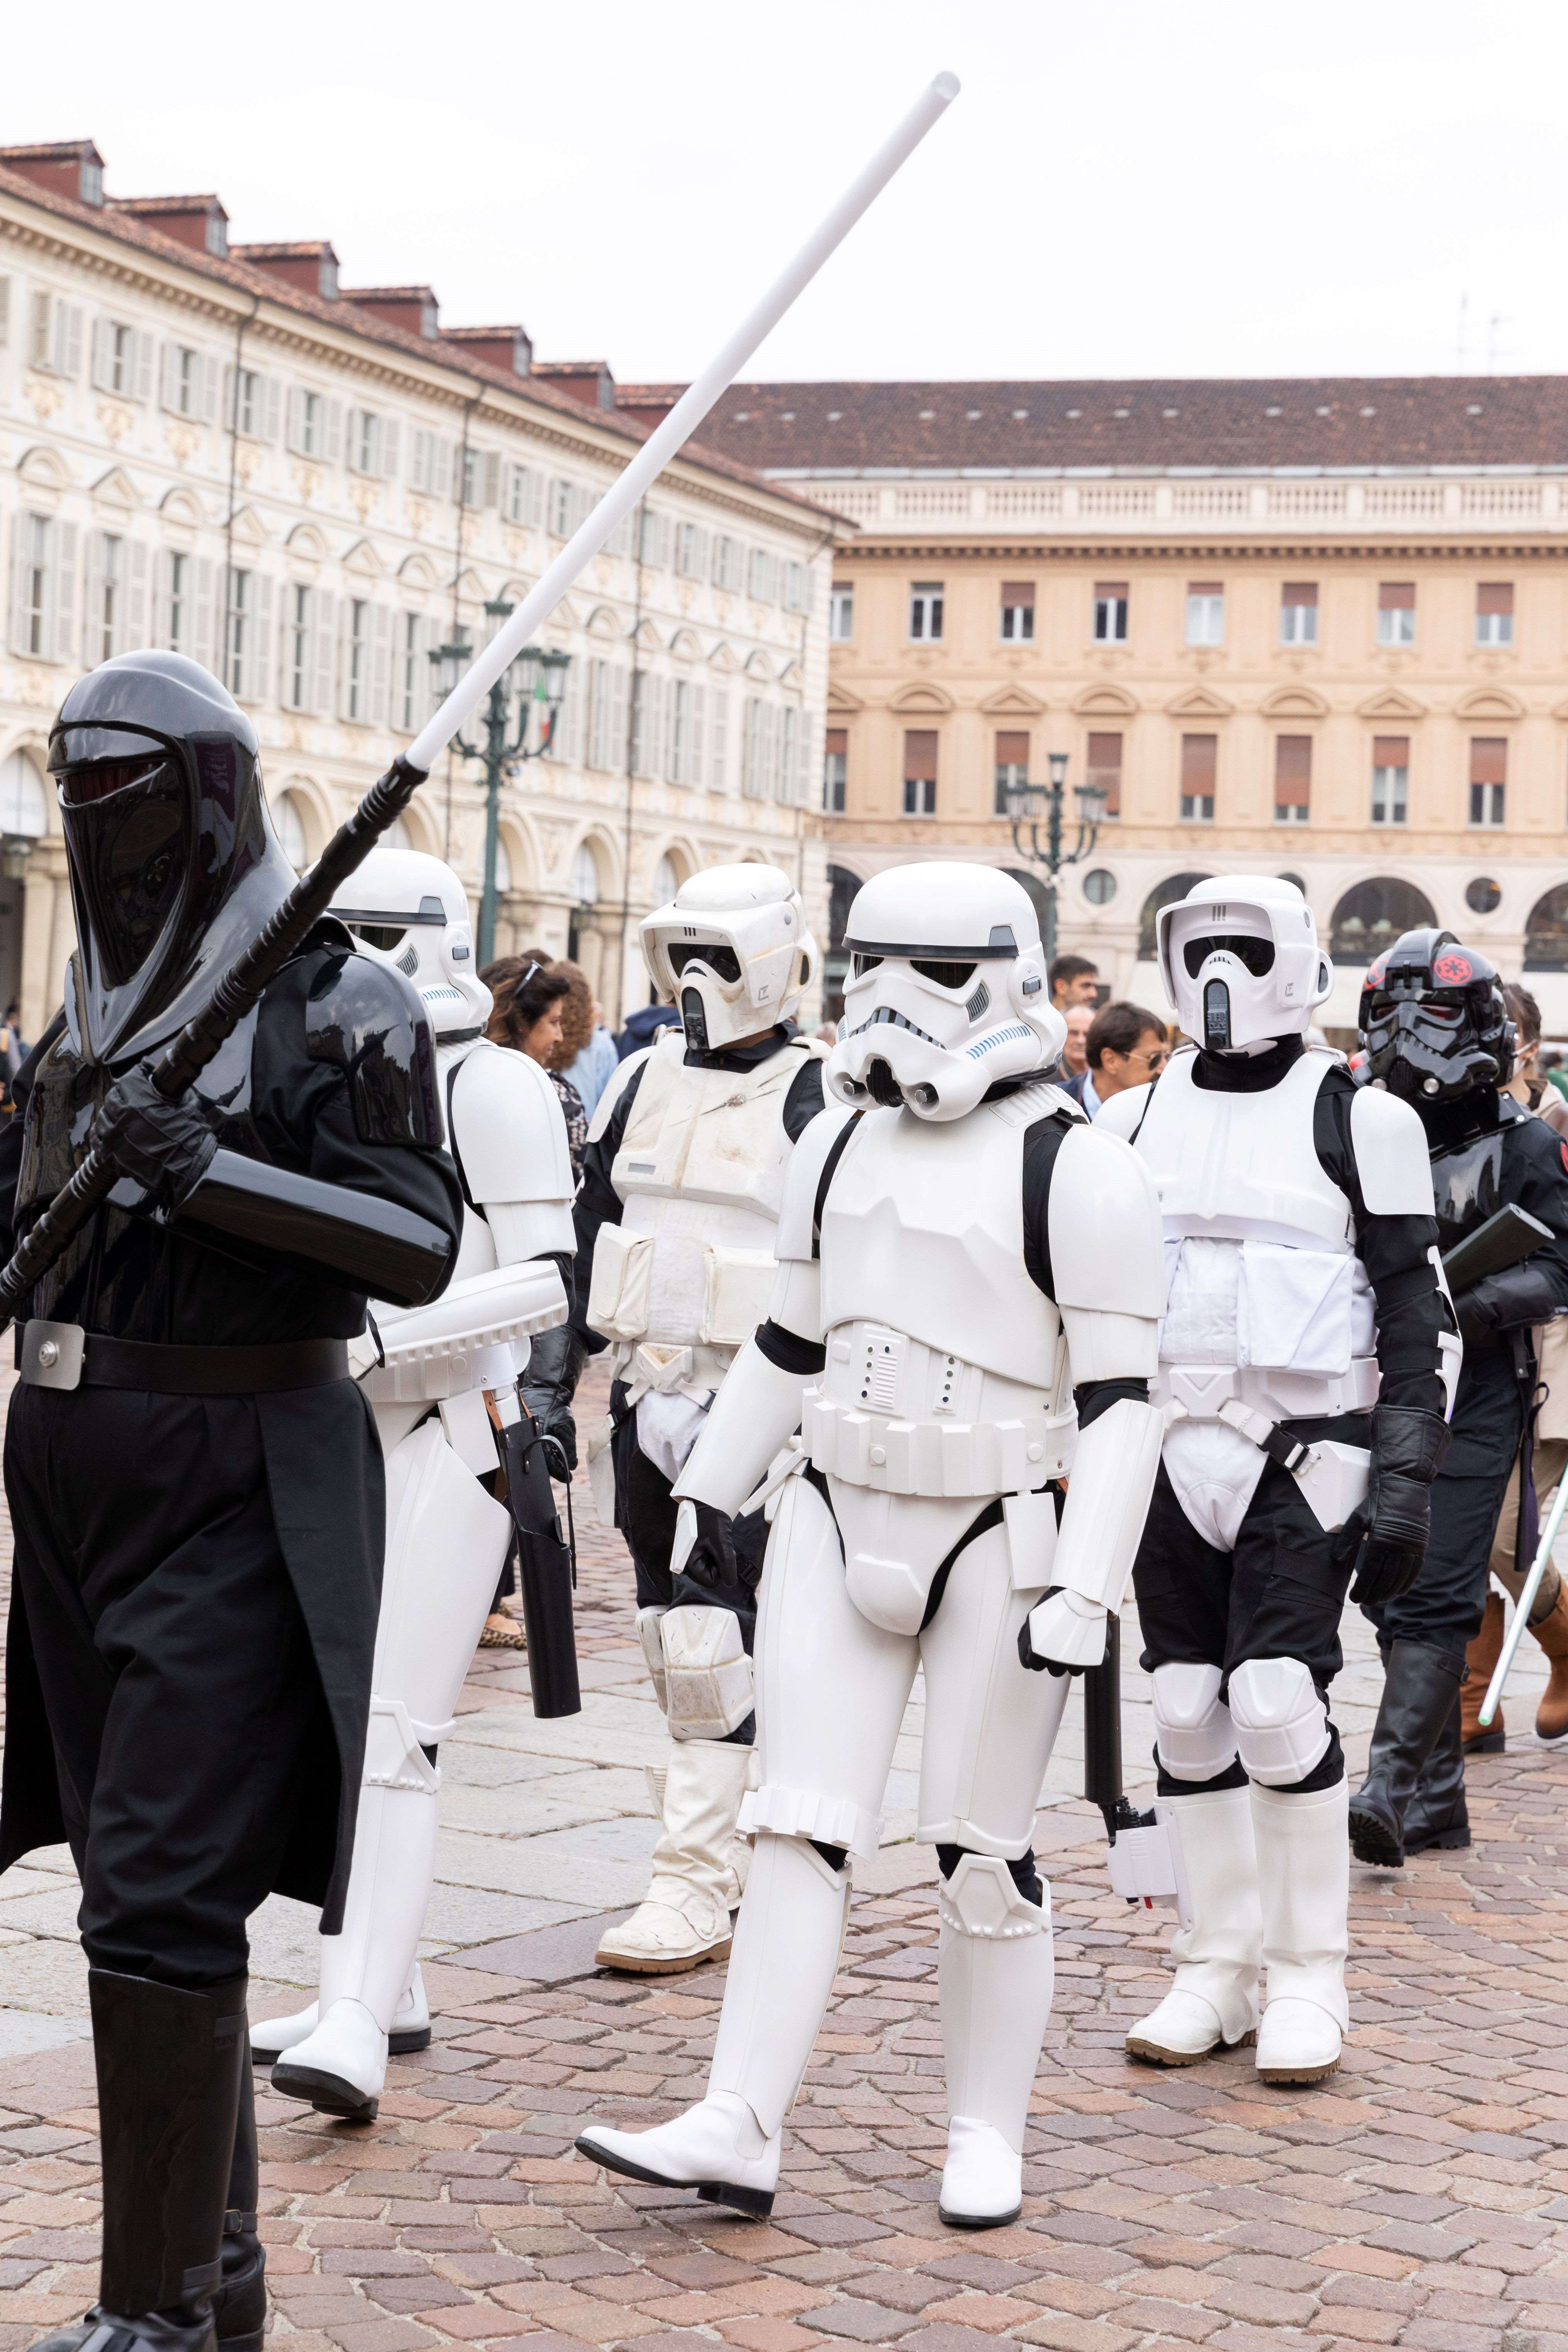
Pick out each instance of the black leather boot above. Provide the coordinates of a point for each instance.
(1420, 1691)
(239, 2306)
(170, 2064)
(1437, 1815)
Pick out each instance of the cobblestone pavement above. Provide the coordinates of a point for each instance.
(1418, 2199)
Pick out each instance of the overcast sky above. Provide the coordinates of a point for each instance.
(1143, 189)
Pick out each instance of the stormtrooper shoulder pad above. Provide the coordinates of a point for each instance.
(508, 1128)
(1102, 1221)
(620, 1079)
(803, 1181)
(1391, 1155)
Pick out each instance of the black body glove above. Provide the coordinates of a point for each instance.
(549, 1385)
(166, 1147)
(1385, 1539)
(712, 1560)
(1529, 1292)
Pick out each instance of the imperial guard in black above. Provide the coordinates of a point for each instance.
(194, 1482)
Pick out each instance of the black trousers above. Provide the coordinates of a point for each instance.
(191, 1735)
(1446, 1606)
(1279, 1594)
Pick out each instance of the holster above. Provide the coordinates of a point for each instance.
(544, 1568)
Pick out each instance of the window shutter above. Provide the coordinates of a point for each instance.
(1396, 596)
(169, 378)
(323, 652)
(919, 755)
(1300, 592)
(718, 742)
(1200, 760)
(391, 449)
(1020, 593)
(620, 679)
(162, 581)
(695, 717)
(1390, 750)
(210, 387)
(99, 349)
(1495, 596)
(260, 680)
(419, 459)
(63, 535)
(205, 640)
(93, 651)
(380, 665)
(18, 631)
(1013, 751)
(230, 400)
(442, 466)
(789, 739)
(492, 477)
(271, 407)
(1489, 758)
(38, 346)
(1104, 768)
(4, 311)
(1292, 770)
(334, 435)
(145, 350)
(136, 630)
(69, 325)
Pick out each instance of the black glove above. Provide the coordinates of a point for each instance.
(1386, 1539)
(1529, 1292)
(712, 1560)
(166, 1147)
(549, 1384)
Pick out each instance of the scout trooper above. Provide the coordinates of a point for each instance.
(1305, 1358)
(681, 1184)
(431, 1374)
(963, 1259)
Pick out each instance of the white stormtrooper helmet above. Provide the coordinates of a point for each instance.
(733, 949)
(412, 912)
(947, 991)
(1241, 963)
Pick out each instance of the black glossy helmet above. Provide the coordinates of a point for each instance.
(173, 863)
(1432, 1019)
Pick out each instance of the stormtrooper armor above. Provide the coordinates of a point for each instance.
(432, 1375)
(1306, 1354)
(682, 1185)
(967, 1304)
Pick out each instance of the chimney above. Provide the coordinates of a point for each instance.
(70, 167)
(507, 348)
(413, 307)
(311, 267)
(200, 222)
(588, 380)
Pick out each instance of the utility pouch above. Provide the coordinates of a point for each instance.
(738, 1287)
(620, 1286)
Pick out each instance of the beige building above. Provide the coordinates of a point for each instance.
(217, 447)
(1307, 628)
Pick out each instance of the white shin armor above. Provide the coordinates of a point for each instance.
(996, 1978)
(785, 1954)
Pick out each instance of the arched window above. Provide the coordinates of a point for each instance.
(23, 802)
(288, 817)
(1163, 894)
(666, 881)
(1373, 914)
(1546, 933)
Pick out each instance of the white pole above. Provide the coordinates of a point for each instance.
(678, 426)
(1523, 1607)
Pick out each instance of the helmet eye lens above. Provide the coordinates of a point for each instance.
(864, 963)
(384, 937)
(79, 787)
(946, 975)
(721, 962)
(1257, 955)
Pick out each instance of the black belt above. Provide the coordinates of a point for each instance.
(209, 1371)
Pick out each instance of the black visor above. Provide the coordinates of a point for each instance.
(127, 824)
(724, 962)
(1257, 955)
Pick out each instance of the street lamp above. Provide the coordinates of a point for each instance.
(538, 676)
(1027, 803)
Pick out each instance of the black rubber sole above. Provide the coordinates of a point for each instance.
(978, 2221)
(1448, 1840)
(1372, 1843)
(329, 2095)
(1484, 1743)
(756, 2201)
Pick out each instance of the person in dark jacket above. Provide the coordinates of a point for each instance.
(643, 1026)
(1437, 1032)
(194, 1483)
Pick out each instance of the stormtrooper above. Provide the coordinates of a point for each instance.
(681, 1184)
(967, 1306)
(434, 1376)
(1307, 1358)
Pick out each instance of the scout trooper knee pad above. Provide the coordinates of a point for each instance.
(982, 1898)
(649, 1623)
(394, 1748)
(1281, 1723)
(1193, 1728)
(707, 1676)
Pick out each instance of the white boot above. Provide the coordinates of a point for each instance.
(1213, 2000)
(684, 1917)
(341, 2066)
(1303, 1875)
(995, 1971)
(787, 1941)
(269, 2037)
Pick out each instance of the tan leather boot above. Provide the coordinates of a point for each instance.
(1482, 1658)
(1552, 1715)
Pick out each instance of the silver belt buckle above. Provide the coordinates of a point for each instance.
(52, 1354)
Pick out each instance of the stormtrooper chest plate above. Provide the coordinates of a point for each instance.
(1237, 1164)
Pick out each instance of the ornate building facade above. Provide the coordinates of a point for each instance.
(1318, 628)
(216, 448)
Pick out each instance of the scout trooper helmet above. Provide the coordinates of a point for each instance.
(1241, 963)
(412, 912)
(946, 993)
(732, 950)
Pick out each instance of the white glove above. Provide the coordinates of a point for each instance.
(1067, 1631)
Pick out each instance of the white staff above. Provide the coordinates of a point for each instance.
(680, 423)
(1523, 1607)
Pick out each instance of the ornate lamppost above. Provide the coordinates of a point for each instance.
(1027, 804)
(538, 677)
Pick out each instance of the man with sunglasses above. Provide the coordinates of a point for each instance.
(1306, 1362)
(682, 1180)
(1125, 1047)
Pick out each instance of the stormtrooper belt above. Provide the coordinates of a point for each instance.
(1332, 1476)
(63, 1356)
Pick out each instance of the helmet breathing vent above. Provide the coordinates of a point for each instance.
(408, 961)
(978, 1002)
